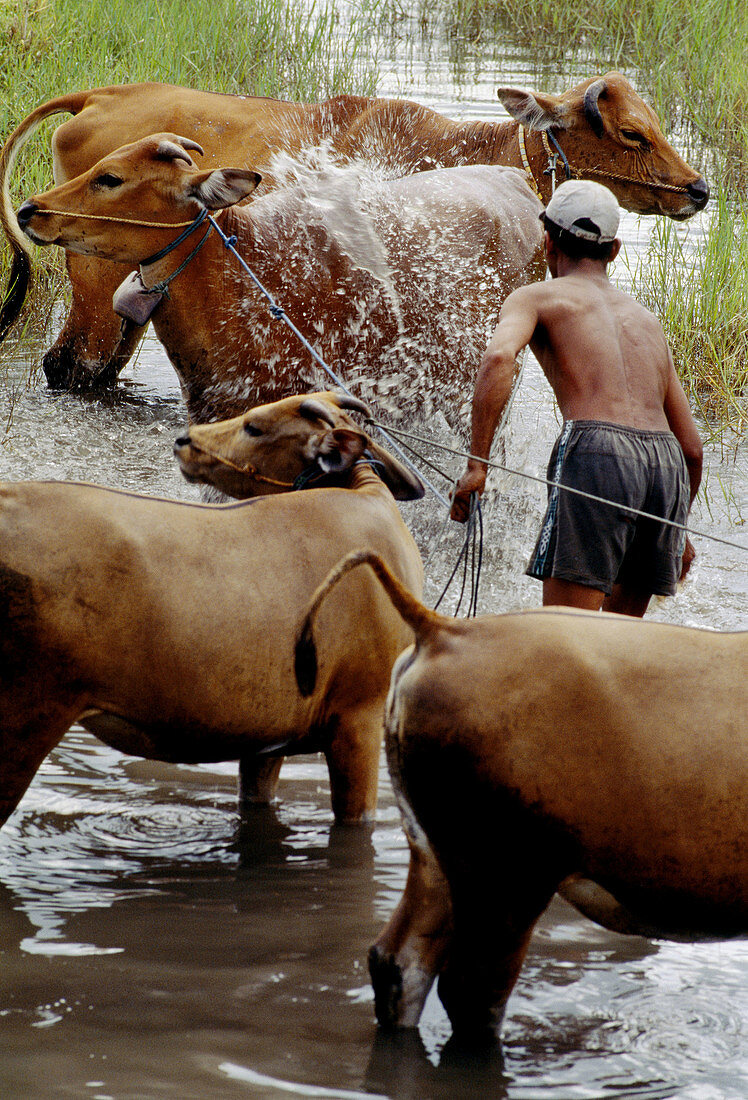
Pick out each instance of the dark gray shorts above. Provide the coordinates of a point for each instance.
(597, 544)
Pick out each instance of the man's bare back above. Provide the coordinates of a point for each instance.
(604, 355)
(606, 359)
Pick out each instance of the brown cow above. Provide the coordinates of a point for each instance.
(166, 628)
(606, 131)
(400, 279)
(547, 750)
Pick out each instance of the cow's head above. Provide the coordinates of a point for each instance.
(126, 207)
(293, 443)
(609, 134)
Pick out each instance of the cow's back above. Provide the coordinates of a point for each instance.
(620, 747)
(187, 591)
(243, 131)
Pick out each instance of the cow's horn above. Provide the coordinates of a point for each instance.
(311, 410)
(347, 401)
(188, 143)
(591, 109)
(177, 149)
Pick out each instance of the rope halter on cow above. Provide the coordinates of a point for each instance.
(191, 227)
(127, 221)
(309, 477)
(547, 136)
(162, 287)
(134, 301)
(248, 469)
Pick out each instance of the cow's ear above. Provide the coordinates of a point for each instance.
(535, 110)
(402, 482)
(339, 449)
(223, 187)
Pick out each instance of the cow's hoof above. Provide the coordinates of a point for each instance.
(64, 371)
(474, 1022)
(387, 980)
(57, 370)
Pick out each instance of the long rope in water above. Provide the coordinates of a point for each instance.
(567, 488)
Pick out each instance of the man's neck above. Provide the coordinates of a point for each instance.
(586, 268)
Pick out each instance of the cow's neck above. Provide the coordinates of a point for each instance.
(482, 143)
(176, 265)
(537, 158)
(211, 303)
(494, 143)
(363, 476)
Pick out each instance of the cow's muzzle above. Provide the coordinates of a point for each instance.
(698, 192)
(25, 213)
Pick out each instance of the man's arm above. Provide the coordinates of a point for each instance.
(518, 320)
(683, 427)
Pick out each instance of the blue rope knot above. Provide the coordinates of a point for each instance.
(277, 312)
(229, 242)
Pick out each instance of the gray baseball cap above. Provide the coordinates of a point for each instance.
(586, 210)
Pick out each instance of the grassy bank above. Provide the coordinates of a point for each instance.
(261, 47)
(282, 48)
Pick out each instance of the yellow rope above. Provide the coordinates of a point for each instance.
(526, 162)
(120, 221)
(248, 469)
(587, 171)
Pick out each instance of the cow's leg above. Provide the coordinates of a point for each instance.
(92, 346)
(407, 956)
(27, 734)
(353, 762)
(492, 930)
(258, 779)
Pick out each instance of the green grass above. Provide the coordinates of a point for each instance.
(689, 57)
(282, 48)
(698, 287)
(261, 47)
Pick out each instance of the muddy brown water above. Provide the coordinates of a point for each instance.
(151, 945)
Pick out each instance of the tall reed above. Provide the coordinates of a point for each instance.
(698, 286)
(690, 58)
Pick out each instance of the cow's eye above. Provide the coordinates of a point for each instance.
(252, 429)
(107, 180)
(635, 138)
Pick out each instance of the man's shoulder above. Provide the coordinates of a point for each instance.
(565, 291)
(591, 294)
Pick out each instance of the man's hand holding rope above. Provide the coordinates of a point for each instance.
(472, 481)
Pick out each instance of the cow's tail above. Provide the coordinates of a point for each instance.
(419, 618)
(20, 271)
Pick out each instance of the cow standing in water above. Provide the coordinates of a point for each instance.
(605, 129)
(552, 750)
(396, 280)
(166, 628)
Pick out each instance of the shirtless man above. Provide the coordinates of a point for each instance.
(628, 432)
